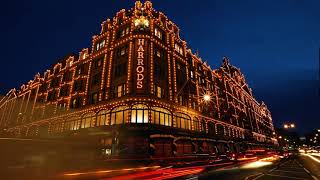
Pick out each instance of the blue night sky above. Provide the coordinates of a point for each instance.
(275, 43)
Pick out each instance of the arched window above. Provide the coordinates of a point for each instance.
(211, 128)
(139, 114)
(73, 123)
(226, 131)
(183, 121)
(161, 116)
(102, 117)
(32, 131)
(119, 115)
(203, 125)
(57, 126)
(220, 129)
(195, 124)
(88, 120)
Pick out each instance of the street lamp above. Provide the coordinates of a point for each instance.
(289, 126)
(206, 97)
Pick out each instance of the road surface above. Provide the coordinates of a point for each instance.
(298, 167)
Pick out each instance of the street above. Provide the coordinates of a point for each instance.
(303, 166)
(299, 167)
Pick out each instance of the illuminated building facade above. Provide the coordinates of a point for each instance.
(140, 90)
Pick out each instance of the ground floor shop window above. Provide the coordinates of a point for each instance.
(119, 115)
(161, 116)
(183, 121)
(139, 114)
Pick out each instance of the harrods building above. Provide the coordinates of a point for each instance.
(140, 90)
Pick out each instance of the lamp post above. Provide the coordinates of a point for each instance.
(206, 98)
(289, 125)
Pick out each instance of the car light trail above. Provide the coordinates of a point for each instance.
(108, 171)
(260, 163)
(256, 164)
(246, 158)
(315, 154)
(313, 158)
(166, 173)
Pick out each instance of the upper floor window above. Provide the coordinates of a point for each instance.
(41, 99)
(94, 98)
(178, 48)
(178, 66)
(84, 55)
(56, 70)
(158, 53)
(76, 102)
(122, 51)
(120, 69)
(160, 70)
(158, 33)
(33, 92)
(193, 105)
(97, 63)
(159, 91)
(80, 69)
(52, 95)
(191, 75)
(100, 45)
(122, 32)
(96, 79)
(180, 100)
(190, 61)
(67, 76)
(79, 85)
(64, 91)
(121, 90)
(62, 106)
(43, 87)
(55, 82)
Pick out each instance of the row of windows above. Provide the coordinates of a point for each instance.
(100, 45)
(139, 114)
(119, 91)
(123, 32)
(178, 48)
(122, 51)
(158, 33)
